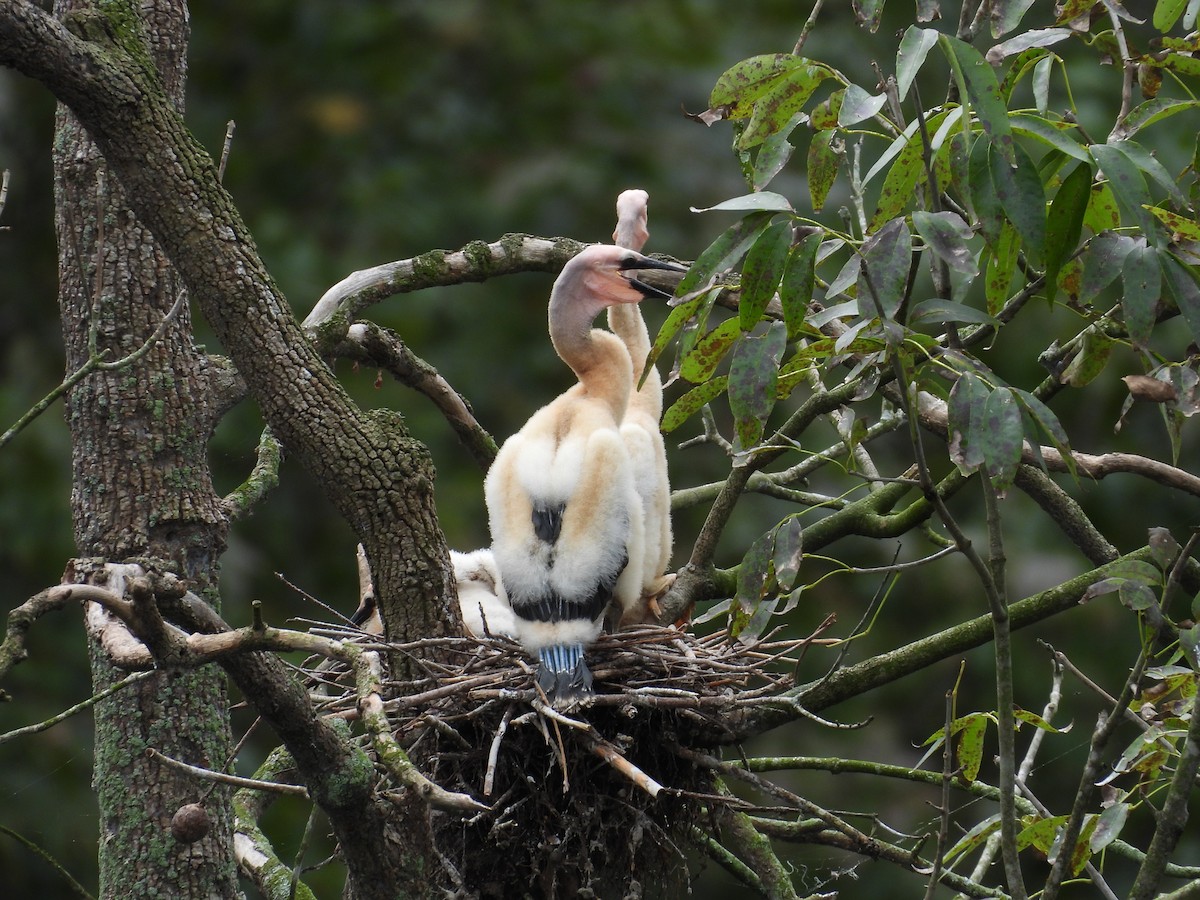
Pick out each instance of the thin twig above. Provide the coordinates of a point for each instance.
(253, 784)
(78, 707)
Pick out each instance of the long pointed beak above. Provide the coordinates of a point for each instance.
(646, 262)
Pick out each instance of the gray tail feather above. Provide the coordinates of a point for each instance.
(563, 674)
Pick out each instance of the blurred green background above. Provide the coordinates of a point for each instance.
(373, 132)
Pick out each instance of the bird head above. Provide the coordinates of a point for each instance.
(603, 275)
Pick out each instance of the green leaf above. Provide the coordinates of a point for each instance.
(1182, 227)
(1094, 350)
(702, 360)
(979, 81)
(1152, 111)
(984, 199)
(1023, 200)
(725, 252)
(887, 257)
(903, 179)
(1032, 718)
(868, 12)
(1184, 289)
(1006, 15)
(1045, 419)
(1103, 262)
(1109, 826)
(824, 115)
(753, 372)
(858, 106)
(774, 154)
(1163, 547)
(1038, 37)
(1051, 134)
(692, 402)
(823, 164)
(1001, 436)
(1102, 213)
(789, 550)
(758, 201)
(1040, 833)
(970, 747)
(796, 287)
(968, 398)
(762, 271)
(973, 839)
(1001, 266)
(743, 83)
(675, 321)
(1041, 83)
(914, 47)
(1065, 222)
(1142, 158)
(753, 572)
(946, 234)
(1129, 188)
(1141, 277)
(942, 311)
(780, 103)
(1166, 13)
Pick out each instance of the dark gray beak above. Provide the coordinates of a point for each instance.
(639, 262)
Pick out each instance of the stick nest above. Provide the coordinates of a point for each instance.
(580, 801)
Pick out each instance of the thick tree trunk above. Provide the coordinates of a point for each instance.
(141, 489)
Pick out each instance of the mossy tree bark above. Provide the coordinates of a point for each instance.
(141, 489)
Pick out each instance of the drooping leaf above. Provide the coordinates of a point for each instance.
(1094, 350)
(942, 311)
(1002, 435)
(1129, 187)
(1109, 826)
(903, 179)
(1006, 15)
(1001, 266)
(1153, 169)
(1032, 718)
(1065, 222)
(789, 550)
(753, 372)
(868, 12)
(702, 360)
(1048, 423)
(1040, 833)
(1141, 278)
(675, 321)
(1023, 199)
(970, 747)
(977, 77)
(692, 402)
(984, 199)
(946, 234)
(753, 572)
(973, 839)
(967, 400)
(725, 252)
(1184, 290)
(1163, 546)
(887, 257)
(762, 271)
(858, 106)
(1041, 83)
(824, 160)
(796, 287)
(1167, 13)
(1103, 262)
(774, 154)
(1038, 37)
(914, 48)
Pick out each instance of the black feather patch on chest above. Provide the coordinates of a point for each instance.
(556, 608)
(547, 522)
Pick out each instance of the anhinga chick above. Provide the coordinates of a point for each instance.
(565, 515)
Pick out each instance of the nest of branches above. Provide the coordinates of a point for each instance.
(577, 801)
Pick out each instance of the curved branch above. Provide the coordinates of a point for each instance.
(369, 344)
(884, 668)
(477, 261)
